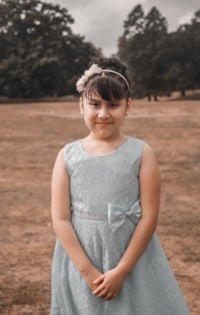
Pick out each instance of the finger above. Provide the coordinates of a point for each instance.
(99, 279)
(99, 289)
(102, 294)
(109, 296)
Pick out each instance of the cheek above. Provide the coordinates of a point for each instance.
(89, 115)
(121, 114)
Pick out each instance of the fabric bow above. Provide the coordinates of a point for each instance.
(117, 215)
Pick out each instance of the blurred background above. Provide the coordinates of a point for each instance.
(44, 49)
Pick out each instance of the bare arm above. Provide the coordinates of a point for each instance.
(60, 209)
(149, 179)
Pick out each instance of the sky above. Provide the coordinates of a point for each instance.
(101, 21)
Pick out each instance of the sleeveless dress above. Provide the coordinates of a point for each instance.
(105, 207)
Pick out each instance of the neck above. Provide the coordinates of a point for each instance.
(99, 146)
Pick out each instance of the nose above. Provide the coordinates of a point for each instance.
(103, 113)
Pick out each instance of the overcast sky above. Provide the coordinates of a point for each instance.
(101, 21)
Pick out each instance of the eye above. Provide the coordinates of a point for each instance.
(114, 105)
(94, 104)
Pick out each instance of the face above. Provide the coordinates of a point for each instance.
(104, 118)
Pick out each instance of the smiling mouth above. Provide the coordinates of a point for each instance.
(104, 123)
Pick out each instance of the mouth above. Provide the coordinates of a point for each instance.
(103, 122)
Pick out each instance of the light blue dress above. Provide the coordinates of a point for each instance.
(105, 205)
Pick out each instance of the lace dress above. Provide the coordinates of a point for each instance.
(105, 208)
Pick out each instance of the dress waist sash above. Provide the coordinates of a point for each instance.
(116, 215)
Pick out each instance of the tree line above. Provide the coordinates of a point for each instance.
(41, 56)
(160, 62)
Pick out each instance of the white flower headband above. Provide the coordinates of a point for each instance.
(94, 69)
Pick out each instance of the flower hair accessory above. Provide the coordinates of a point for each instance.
(95, 69)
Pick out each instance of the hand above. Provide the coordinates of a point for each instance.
(90, 277)
(109, 284)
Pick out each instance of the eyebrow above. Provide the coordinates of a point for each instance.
(93, 100)
(99, 100)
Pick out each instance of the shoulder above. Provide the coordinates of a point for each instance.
(149, 164)
(136, 144)
(148, 152)
(135, 148)
(71, 154)
(70, 146)
(64, 153)
(136, 141)
(146, 155)
(145, 149)
(149, 178)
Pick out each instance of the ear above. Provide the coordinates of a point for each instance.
(81, 105)
(128, 106)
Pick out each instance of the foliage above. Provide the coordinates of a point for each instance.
(40, 55)
(160, 62)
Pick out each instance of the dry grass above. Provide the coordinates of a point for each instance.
(32, 134)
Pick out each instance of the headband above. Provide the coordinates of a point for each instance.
(95, 69)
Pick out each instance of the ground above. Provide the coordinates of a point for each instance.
(31, 135)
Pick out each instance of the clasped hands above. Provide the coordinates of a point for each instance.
(107, 285)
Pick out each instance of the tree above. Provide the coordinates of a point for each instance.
(140, 48)
(183, 66)
(195, 26)
(41, 56)
(160, 62)
(155, 23)
(135, 22)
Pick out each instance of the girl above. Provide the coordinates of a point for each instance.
(105, 201)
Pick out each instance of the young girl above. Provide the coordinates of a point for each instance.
(105, 201)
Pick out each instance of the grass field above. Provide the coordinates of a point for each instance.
(31, 135)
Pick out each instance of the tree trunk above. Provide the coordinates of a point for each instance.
(183, 93)
(149, 97)
(155, 98)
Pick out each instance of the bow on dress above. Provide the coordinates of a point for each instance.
(117, 215)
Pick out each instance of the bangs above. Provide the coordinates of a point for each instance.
(107, 88)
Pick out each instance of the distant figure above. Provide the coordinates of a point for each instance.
(105, 203)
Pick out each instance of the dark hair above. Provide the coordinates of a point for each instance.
(107, 84)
